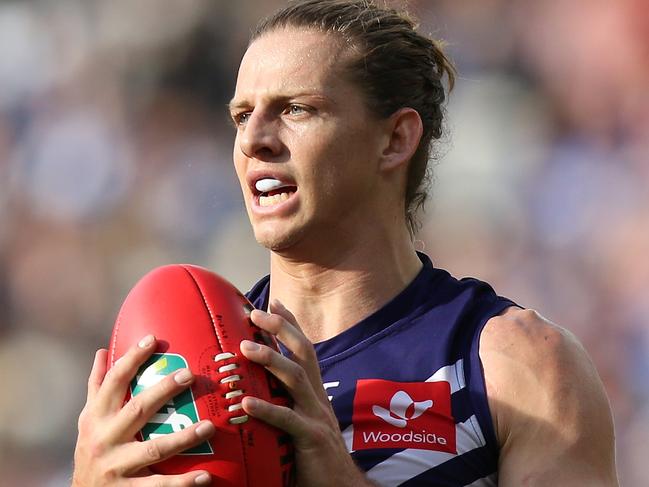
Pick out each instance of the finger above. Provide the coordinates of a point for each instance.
(291, 374)
(281, 417)
(301, 346)
(136, 455)
(188, 479)
(140, 408)
(289, 332)
(97, 373)
(291, 336)
(276, 306)
(111, 395)
(293, 339)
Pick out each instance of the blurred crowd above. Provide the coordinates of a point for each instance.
(115, 157)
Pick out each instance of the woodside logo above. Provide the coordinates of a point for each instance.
(409, 436)
(403, 415)
(402, 409)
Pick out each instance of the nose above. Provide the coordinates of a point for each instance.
(259, 138)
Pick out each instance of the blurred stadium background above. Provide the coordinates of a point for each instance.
(115, 157)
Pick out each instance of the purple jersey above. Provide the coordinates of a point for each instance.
(407, 387)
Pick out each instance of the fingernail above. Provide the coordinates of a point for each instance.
(146, 341)
(277, 303)
(250, 403)
(249, 346)
(259, 312)
(183, 376)
(205, 429)
(202, 479)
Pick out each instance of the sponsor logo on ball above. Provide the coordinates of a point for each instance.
(180, 412)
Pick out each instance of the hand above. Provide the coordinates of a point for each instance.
(106, 451)
(321, 456)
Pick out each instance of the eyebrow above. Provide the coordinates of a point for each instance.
(233, 104)
(237, 104)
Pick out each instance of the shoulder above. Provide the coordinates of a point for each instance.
(524, 337)
(525, 356)
(548, 404)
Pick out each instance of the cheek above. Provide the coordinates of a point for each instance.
(239, 166)
(337, 161)
(351, 157)
(340, 176)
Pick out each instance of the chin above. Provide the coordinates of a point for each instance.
(276, 240)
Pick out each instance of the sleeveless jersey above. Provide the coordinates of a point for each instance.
(407, 387)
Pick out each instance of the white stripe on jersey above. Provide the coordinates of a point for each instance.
(488, 481)
(453, 374)
(409, 463)
(348, 436)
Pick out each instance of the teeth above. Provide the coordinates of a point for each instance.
(267, 184)
(273, 200)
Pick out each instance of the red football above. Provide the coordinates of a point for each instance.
(199, 319)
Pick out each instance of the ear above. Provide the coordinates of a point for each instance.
(405, 131)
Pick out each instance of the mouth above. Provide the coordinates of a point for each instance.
(270, 192)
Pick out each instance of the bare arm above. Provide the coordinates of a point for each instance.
(550, 411)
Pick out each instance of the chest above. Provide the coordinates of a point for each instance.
(405, 414)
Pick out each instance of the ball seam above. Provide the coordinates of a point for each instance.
(207, 306)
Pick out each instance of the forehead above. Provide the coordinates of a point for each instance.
(291, 59)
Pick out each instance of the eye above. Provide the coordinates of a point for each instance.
(295, 110)
(240, 118)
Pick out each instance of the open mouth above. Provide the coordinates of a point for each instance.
(273, 192)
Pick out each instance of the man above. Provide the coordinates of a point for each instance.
(335, 106)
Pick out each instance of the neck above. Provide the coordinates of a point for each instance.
(345, 283)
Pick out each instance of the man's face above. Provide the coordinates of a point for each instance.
(306, 148)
